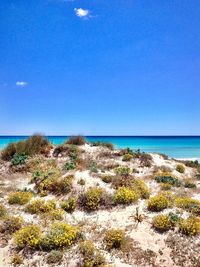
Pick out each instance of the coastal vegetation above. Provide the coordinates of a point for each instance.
(93, 205)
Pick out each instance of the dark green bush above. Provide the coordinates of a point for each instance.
(19, 159)
(69, 166)
(167, 179)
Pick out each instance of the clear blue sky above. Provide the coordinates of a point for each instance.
(100, 67)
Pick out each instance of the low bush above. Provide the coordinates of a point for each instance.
(104, 144)
(162, 223)
(188, 204)
(19, 159)
(55, 256)
(190, 226)
(145, 159)
(166, 178)
(81, 182)
(123, 170)
(69, 205)
(16, 260)
(91, 200)
(38, 206)
(60, 235)
(35, 144)
(125, 195)
(76, 140)
(165, 186)
(107, 178)
(142, 188)
(10, 224)
(28, 236)
(91, 256)
(180, 168)
(3, 211)
(69, 166)
(127, 157)
(123, 181)
(93, 167)
(55, 214)
(20, 197)
(114, 238)
(158, 203)
(189, 183)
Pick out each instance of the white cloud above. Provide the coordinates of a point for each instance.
(21, 83)
(82, 13)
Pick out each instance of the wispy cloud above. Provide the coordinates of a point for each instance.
(82, 13)
(21, 83)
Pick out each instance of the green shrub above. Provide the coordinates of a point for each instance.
(69, 205)
(189, 183)
(125, 196)
(114, 238)
(55, 256)
(104, 144)
(38, 206)
(28, 236)
(91, 199)
(180, 168)
(127, 157)
(69, 166)
(162, 223)
(91, 256)
(166, 178)
(60, 235)
(19, 159)
(20, 197)
(10, 224)
(123, 170)
(158, 203)
(76, 140)
(188, 204)
(35, 144)
(190, 226)
(2, 210)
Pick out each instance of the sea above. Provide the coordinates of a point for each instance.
(180, 147)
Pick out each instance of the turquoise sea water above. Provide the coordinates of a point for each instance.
(173, 146)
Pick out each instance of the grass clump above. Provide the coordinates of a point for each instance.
(158, 203)
(114, 238)
(76, 140)
(39, 206)
(55, 256)
(36, 144)
(127, 157)
(162, 223)
(91, 256)
(20, 198)
(60, 235)
(69, 205)
(180, 168)
(167, 178)
(3, 211)
(190, 226)
(28, 236)
(125, 196)
(11, 224)
(188, 204)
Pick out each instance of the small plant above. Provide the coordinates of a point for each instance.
(60, 235)
(39, 206)
(125, 196)
(69, 205)
(123, 170)
(114, 238)
(190, 226)
(158, 203)
(188, 204)
(189, 183)
(107, 178)
(76, 140)
(104, 144)
(162, 223)
(55, 256)
(81, 182)
(91, 255)
(127, 157)
(142, 188)
(55, 214)
(165, 186)
(2, 210)
(19, 159)
(20, 197)
(180, 168)
(11, 224)
(28, 236)
(16, 260)
(69, 166)
(92, 198)
(166, 178)
(93, 167)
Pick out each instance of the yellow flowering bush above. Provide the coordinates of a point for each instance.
(162, 223)
(125, 195)
(20, 198)
(142, 188)
(40, 206)
(114, 238)
(60, 234)
(158, 203)
(69, 205)
(127, 157)
(188, 204)
(10, 224)
(55, 214)
(2, 210)
(91, 256)
(92, 198)
(28, 236)
(190, 226)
